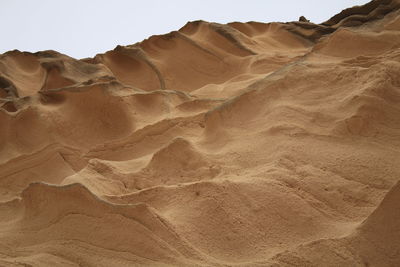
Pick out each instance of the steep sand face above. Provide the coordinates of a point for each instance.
(245, 144)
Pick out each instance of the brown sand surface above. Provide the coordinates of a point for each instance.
(245, 144)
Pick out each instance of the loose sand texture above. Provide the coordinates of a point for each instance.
(244, 144)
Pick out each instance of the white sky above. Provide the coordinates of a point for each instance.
(83, 28)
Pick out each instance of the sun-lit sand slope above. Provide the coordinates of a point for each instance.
(246, 144)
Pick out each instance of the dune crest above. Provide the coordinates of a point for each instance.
(249, 144)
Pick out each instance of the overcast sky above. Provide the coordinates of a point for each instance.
(83, 28)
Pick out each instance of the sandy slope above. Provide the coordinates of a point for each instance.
(245, 144)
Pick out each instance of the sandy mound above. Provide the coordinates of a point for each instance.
(178, 162)
(373, 243)
(53, 213)
(249, 144)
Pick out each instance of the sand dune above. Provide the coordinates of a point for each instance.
(373, 243)
(248, 144)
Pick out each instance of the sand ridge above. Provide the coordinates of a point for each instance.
(248, 144)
